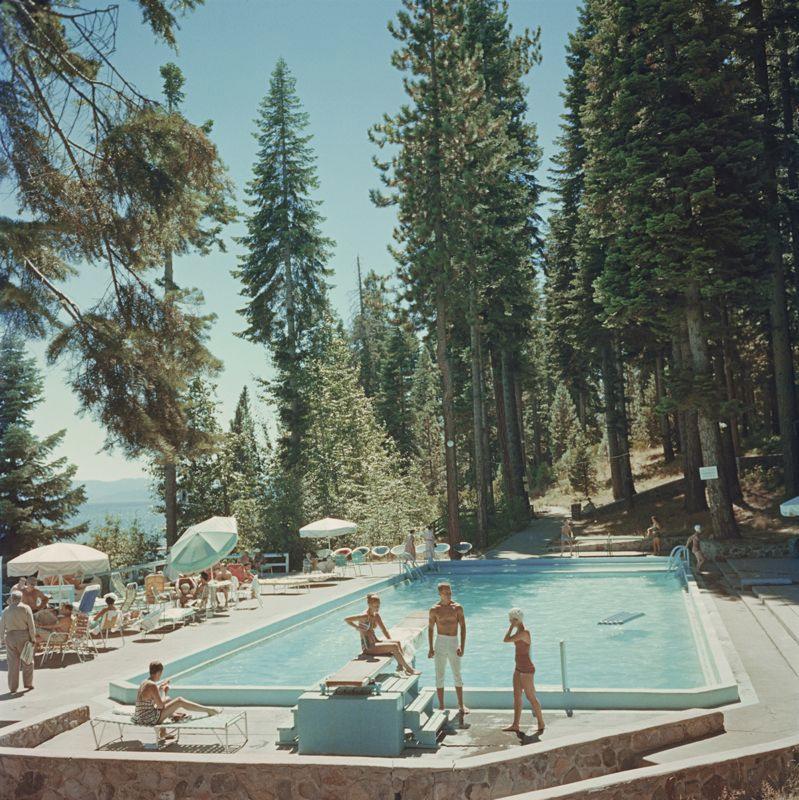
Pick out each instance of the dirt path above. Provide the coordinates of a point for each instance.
(533, 540)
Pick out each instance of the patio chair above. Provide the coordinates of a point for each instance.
(363, 549)
(151, 622)
(464, 548)
(80, 638)
(441, 551)
(203, 603)
(117, 585)
(110, 623)
(380, 551)
(342, 563)
(57, 640)
(156, 589)
(90, 595)
(359, 562)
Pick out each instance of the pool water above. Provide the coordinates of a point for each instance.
(655, 651)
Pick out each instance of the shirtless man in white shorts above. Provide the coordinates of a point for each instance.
(449, 622)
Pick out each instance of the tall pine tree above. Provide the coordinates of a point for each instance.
(38, 497)
(284, 269)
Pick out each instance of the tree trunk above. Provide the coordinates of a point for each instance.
(486, 442)
(719, 500)
(788, 130)
(665, 425)
(690, 446)
(778, 306)
(621, 475)
(477, 419)
(729, 382)
(496, 374)
(448, 412)
(517, 384)
(727, 442)
(519, 493)
(171, 503)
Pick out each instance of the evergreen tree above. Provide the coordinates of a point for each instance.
(577, 465)
(370, 329)
(563, 423)
(201, 489)
(452, 146)
(393, 402)
(428, 438)
(671, 182)
(38, 497)
(352, 469)
(284, 269)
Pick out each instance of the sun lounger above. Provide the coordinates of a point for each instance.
(221, 726)
(177, 616)
(298, 582)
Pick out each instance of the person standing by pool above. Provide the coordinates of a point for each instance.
(366, 624)
(410, 546)
(448, 621)
(695, 544)
(524, 673)
(567, 537)
(430, 545)
(17, 629)
(653, 531)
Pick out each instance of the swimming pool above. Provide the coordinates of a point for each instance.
(670, 651)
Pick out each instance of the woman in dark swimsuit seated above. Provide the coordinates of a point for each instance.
(153, 706)
(524, 673)
(366, 624)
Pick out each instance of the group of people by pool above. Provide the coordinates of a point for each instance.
(446, 637)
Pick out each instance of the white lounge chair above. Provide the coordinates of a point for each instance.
(222, 726)
(151, 622)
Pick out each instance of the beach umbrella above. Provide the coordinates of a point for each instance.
(60, 558)
(203, 545)
(327, 528)
(790, 508)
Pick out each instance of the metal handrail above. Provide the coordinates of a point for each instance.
(679, 558)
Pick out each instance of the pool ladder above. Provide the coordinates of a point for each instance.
(680, 560)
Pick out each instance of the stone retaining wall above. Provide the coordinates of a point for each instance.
(746, 548)
(709, 777)
(32, 732)
(35, 775)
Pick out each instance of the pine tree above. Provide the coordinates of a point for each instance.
(563, 423)
(577, 465)
(671, 184)
(284, 269)
(428, 438)
(452, 146)
(352, 469)
(370, 329)
(393, 402)
(38, 497)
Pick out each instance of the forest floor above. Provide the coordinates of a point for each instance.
(759, 518)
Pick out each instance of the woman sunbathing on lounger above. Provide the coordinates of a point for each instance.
(366, 624)
(153, 706)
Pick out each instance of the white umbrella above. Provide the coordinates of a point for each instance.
(327, 528)
(790, 508)
(60, 558)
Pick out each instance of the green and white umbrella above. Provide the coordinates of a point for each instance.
(202, 546)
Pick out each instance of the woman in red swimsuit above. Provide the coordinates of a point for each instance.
(524, 673)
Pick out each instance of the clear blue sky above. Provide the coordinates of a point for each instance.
(339, 52)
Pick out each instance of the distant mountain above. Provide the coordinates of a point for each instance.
(125, 490)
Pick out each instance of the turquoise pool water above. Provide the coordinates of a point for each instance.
(656, 651)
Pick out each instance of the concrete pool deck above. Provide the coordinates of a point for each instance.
(764, 658)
